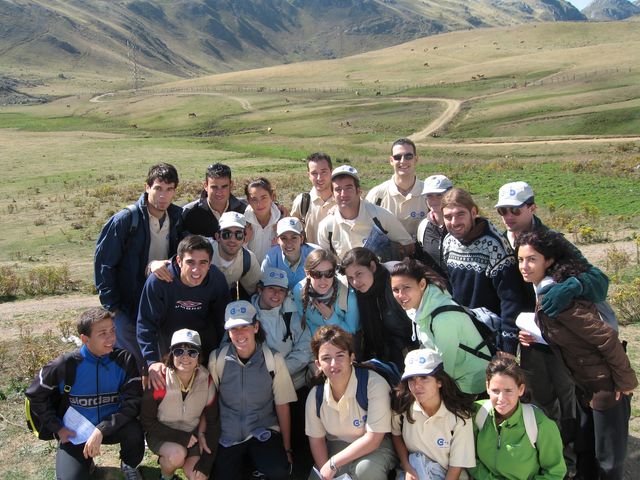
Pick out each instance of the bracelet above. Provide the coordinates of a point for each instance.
(332, 465)
(289, 450)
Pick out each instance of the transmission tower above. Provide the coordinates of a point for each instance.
(133, 60)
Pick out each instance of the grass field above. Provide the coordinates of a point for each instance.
(557, 105)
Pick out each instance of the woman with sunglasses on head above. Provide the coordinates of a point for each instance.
(386, 328)
(263, 215)
(181, 421)
(591, 350)
(323, 298)
(344, 436)
(514, 440)
(431, 428)
(421, 292)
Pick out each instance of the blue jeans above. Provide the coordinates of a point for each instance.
(126, 337)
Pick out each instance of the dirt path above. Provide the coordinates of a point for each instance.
(244, 103)
(453, 107)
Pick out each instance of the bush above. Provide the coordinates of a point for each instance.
(616, 260)
(626, 301)
(47, 280)
(9, 281)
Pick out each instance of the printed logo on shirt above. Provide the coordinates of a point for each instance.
(189, 305)
(360, 423)
(442, 443)
(420, 214)
(92, 401)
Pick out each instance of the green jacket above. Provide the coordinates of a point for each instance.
(505, 452)
(450, 329)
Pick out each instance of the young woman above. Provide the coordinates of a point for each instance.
(344, 437)
(590, 349)
(291, 251)
(254, 391)
(386, 328)
(420, 291)
(432, 426)
(514, 441)
(172, 417)
(263, 215)
(322, 297)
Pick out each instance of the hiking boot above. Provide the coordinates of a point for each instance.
(130, 473)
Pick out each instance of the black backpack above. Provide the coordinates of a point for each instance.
(386, 370)
(60, 401)
(487, 325)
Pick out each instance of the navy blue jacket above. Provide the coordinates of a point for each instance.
(120, 261)
(169, 306)
(200, 220)
(107, 390)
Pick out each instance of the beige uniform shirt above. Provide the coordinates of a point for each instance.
(318, 210)
(409, 209)
(159, 238)
(233, 271)
(345, 420)
(443, 438)
(348, 234)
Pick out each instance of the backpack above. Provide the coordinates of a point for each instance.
(386, 370)
(486, 322)
(305, 202)
(528, 416)
(60, 401)
(286, 316)
(135, 220)
(246, 261)
(222, 354)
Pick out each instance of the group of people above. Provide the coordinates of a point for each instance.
(236, 333)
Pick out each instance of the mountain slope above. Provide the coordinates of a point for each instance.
(600, 10)
(160, 39)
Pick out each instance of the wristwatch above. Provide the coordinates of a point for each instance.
(332, 465)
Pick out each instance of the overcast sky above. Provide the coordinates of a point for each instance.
(580, 4)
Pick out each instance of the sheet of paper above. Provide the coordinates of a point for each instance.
(344, 476)
(527, 321)
(73, 420)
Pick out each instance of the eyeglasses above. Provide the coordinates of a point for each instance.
(515, 211)
(178, 352)
(226, 234)
(326, 274)
(400, 156)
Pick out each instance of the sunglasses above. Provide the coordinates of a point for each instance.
(400, 156)
(226, 234)
(192, 352)
(326, 274)
(515, 211)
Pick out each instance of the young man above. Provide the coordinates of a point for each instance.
(483, 271)
(238, 264)
(403, 194)
(551, 385)
(133, 243)
(312, 207)
(106, 393)
(196, 300)
(291, 252)
(201, 216)
(352, 223)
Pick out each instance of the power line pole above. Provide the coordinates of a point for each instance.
(133, 60)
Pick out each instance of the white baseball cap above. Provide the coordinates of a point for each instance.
(421, 362)
(514, 194)
(239, 314)
(232, 219)
(289, 224)
(274, 277)
(345, 170)
(190, 337)
(436, 184)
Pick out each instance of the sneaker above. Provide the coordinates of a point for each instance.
(130, 473)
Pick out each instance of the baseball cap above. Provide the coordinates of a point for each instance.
(345, 170)
(436, 184)
(274, 277)
(514, 194)
(239, 314)
(232, 219)
(421, 362)
(185, 335)
(289, 224)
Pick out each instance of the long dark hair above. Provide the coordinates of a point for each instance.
(359, 256)
(552, 245)
(418, 271)
(454, 399)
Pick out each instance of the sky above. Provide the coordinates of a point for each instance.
(580, 4)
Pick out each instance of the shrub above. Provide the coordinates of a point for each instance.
(9, 281)
(626, 301)
(47, 280)
(616, 260)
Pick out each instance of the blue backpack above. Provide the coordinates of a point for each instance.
(386, 370)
